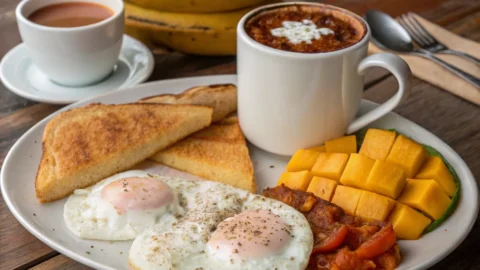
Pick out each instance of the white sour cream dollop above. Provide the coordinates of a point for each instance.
(298, 32)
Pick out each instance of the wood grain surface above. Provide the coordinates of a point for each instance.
(454, 120)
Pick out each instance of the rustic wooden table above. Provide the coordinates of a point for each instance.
(452, 119)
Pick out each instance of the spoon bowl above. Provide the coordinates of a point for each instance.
(388, 32)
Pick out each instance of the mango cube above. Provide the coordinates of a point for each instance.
(377, 143)
(357, 170)
(346, 144)
(347, 198)
(426, 196)
(408, 223)
(330, 165)
(435, 169)
(386, 179)
(295, 180)
(374, 206)
(322, 187)
(302, 160)
(320, 148)
(407, 154)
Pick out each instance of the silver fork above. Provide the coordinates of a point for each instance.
(426, 41)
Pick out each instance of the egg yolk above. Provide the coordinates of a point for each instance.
(249, 235)
(137, 194)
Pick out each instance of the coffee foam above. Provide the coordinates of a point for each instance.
(339, 13)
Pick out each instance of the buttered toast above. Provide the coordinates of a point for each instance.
(217, 153)
(84, 145)
(221, 97)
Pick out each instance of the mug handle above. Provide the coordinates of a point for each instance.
(400, 69)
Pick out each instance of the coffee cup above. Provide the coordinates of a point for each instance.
(73, 56)
(291, 96)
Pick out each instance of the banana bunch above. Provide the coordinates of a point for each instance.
(189, 29)
(196, 6)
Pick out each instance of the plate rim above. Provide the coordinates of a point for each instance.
(64, 101)
(92, 263)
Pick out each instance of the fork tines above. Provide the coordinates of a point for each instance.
(418, 33)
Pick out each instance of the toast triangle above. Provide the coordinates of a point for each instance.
(221, 97)
(217, 153)
(84, 145)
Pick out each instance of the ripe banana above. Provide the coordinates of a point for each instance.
(195, 6)
(193, 33)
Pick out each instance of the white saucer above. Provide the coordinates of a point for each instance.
(22, 77)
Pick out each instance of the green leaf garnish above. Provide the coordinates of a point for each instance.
(360, 137)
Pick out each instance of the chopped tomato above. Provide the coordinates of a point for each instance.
(389, 259)
(334, 240)
(349, 260)
(342, 241)
(358, 235)
(380, 242)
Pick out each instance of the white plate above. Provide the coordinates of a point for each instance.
(22, 77)
(46, 223)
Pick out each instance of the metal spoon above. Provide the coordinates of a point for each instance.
(389, 34)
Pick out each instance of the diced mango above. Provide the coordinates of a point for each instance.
(346, 144)
(377, 143)
(426, 196)
(295, 180)
(435, 169)
(322, 187)
(386, 179)
(357, 170)
(330, 165)
(408, 223)
(407, 154)
(302, 160)
(320, 148)
(374, 206)
(347, 198)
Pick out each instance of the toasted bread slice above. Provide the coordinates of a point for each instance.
(221, 97)
(217, 153)
(84, 145)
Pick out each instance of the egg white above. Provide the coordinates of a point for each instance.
(88, 216)
(182, 243)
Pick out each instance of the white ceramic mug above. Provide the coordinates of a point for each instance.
(73, 56)
(290, 100)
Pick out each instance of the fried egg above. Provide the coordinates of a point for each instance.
(223, 227)
(120, 207)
